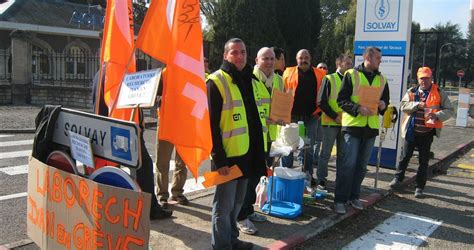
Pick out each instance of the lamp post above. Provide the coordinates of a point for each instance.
(439, 61)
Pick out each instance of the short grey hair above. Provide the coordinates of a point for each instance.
(369, 51)
(232, 40)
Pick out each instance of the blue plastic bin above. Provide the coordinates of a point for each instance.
(287, 190)
(287, 199)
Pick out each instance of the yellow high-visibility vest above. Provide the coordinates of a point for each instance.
(233, 122)
(335, 85)
(359, 79)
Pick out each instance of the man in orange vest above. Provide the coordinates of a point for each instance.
(304, 82)
(426, 106)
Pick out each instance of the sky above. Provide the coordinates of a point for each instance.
(431, 12)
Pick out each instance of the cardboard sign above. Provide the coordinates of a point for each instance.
(139, 89)
(281, 105)
(81, 149)
(66, 211)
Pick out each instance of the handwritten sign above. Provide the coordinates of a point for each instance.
(66, 211)
(81, 149)
(139, 89)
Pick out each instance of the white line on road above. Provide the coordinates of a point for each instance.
(15, 154)
(22, 169)
(3, 136)
(401, 231)
(15, 143)
(13, 196)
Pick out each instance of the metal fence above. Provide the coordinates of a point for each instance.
(5, 64)
(72, 69)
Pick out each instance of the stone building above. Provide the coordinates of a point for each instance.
(50, 51)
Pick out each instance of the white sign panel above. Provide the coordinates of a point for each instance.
(463, 107)
(139, 89)
(112, 139)
(386, 24)
(81, 149)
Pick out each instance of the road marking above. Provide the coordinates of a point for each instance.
(466, 166)
(13, 196)
(22, 169)
(15, 143)
(3, 136)
(15, 154)
(401, 231)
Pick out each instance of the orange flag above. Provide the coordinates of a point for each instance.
(184, 113)
(117, 47)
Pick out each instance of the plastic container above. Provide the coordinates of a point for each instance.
(286, 190)
(301, 129)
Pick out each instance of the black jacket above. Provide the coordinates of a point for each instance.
(344, 101)
(253, 162)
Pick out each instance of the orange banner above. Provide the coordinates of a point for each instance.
(184, 113)
(117, 48)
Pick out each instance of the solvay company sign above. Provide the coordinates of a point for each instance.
(382, 15)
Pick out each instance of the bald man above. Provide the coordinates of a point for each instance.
(304, 82)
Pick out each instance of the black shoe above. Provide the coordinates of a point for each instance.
(159, 213)
(321, 185)
(395, 183)
(313, 182)
(242, 245)
(181, 200)
(164, 204)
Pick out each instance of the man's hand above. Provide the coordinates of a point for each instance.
(431, 116)
(382, 105)
(364, 111)
(422, 105)
(338, 118)
(223, 170)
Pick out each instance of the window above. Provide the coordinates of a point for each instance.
(75, 62)
(40, 63)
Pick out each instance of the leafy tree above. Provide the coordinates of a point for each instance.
(452, 56)
(469, 63)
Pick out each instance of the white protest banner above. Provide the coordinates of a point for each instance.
(81, 149)
(139, 88)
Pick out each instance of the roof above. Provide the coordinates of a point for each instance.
(54, 13)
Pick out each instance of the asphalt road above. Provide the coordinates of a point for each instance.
(449, 199)
(14, 152)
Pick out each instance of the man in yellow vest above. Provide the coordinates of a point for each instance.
(426, 107)
(263, 71)
(331, 118)
(304, 82)
(239, 131)
(360, 126)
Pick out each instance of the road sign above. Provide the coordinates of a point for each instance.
(460, 73)
(111, 139)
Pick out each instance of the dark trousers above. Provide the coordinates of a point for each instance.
(250, 197)
(145, 176)
(423, 143)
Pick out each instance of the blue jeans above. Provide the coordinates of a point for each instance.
(317, 141)
(310, 124)
(351, 173)
(330, 134)
(228, 199)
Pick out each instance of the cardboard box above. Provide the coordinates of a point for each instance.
(66, 211)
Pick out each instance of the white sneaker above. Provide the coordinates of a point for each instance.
(257, 217)
(246, 227)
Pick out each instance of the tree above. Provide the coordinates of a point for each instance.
(252, 21)
(452, 57)
(337, 31)
(469, 62)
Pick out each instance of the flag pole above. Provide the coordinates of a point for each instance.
(114, 105)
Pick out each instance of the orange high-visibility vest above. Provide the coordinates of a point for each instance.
(433, 102)
(290, 76)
